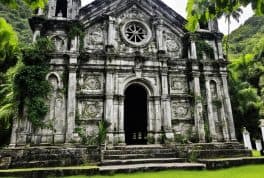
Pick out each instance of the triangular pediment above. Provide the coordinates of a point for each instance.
(99, 9)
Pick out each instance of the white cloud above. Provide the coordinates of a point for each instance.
(180, 6)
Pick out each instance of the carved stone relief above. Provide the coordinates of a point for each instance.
(60, 44)
(178, 85)
(181, 110)
(172, 43)
(90, 110)
(91, 83)
(133, 13)
(94, 38)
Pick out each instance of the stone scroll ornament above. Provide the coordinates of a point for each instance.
(179, 110)
(94, 38)
(92, 83)
(91, 110)
(178, 85)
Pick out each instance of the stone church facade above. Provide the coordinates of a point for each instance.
(139, 69)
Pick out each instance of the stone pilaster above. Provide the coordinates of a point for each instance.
(198, 108)
(52, 8)
(13, 138)
(157, 107)
(220, 50)
(228, 108)
(111, 32)
(223, 118)
(109, 103)
(193, 51)
(71, 102)
(121, 124)
(159, 35)
(36, 33)
(210, 110)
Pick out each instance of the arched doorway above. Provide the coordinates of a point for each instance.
(136, 114)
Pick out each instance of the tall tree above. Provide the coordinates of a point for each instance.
(204, 10)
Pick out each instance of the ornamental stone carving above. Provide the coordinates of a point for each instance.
(136, 32)
(133, 13)
(178, 85)
(90, 110)
(181, 110)
(59, 43)
(172, 43)
(92, 83)
(94, 38)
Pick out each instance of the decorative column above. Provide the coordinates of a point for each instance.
(228, 108)
(158, 117)
(258, 145)
(262, 128)
(121, 124)
(220, 49)
(165, 104)
(71, 102)
(52, 8)
(109, 104)
(198, 108)
(36, 33)
(210, 110)
(193, 52)
(13, 138)
(159, 34)
(223, 118)
(111, 32)
(246, 139)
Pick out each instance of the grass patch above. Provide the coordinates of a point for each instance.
(253, 171)
(256, 153)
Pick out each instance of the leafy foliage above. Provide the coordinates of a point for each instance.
(32, 3)
(31, 85)
(246, 70)
(8, 110)
(18, 18)
(76, 30)
(8, 46)
(204, 48)
(204, 10)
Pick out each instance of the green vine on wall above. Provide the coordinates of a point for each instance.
(30, 84)
(76, 29)
(204, 48)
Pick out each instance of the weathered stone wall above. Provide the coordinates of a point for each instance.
(129, 43)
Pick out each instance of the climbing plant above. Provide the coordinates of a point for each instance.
(31, 86)
(204, 48)
(76, 29)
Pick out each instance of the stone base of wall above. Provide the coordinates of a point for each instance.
(48, 156)
(69, 155)
(212, 150)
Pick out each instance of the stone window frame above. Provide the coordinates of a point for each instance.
(144, 25)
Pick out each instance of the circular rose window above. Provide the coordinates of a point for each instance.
(136, 33)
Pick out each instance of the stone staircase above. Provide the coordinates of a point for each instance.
(46, 156)
(142, 158)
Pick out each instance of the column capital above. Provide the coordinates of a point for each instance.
(223, 74)
(196, 73)
(72, 68)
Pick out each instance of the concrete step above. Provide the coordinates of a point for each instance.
(149, 167)
(136, 147)
(139, 156)
(138, 151)
(142, 161)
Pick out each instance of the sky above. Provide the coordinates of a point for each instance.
(180, 5)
